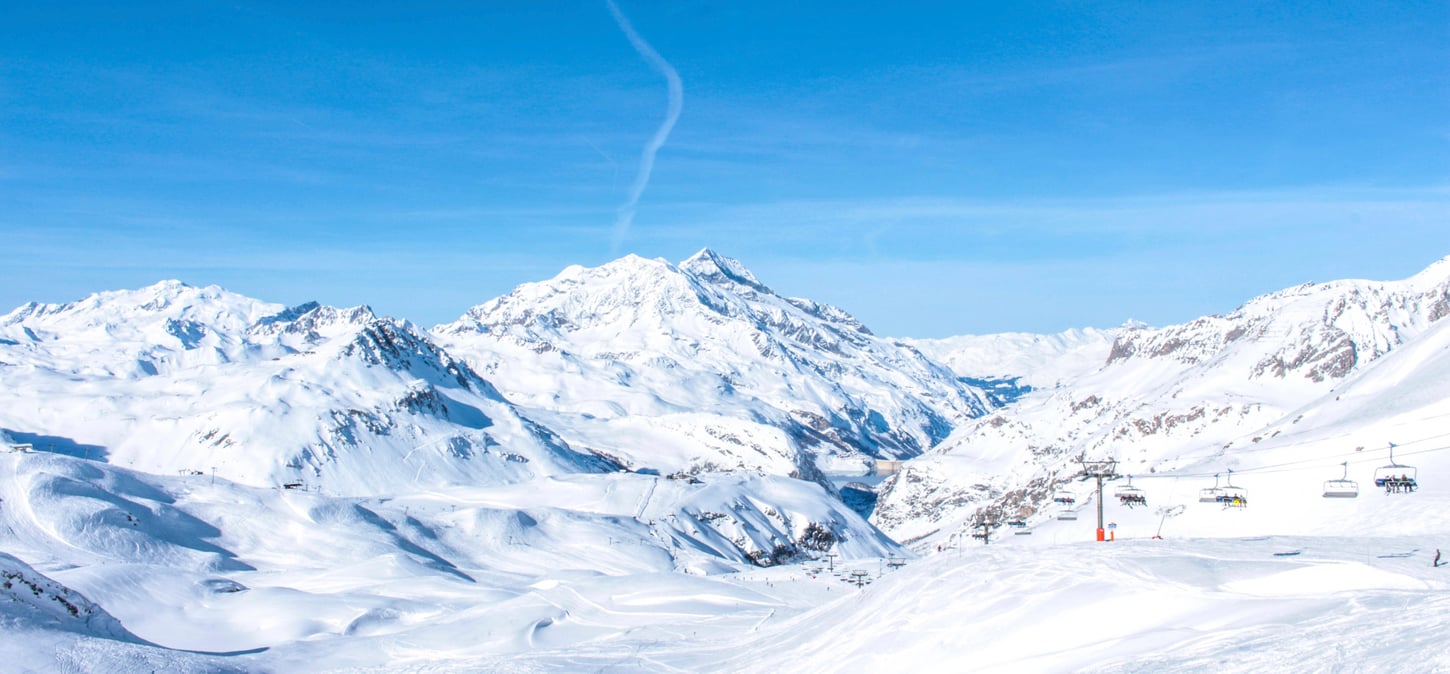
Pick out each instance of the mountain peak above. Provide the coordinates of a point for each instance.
(170, 284)
(1437, 271)
(631, 262)
(712, 266)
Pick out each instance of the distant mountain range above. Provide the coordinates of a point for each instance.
(676, 370)
(173, 378)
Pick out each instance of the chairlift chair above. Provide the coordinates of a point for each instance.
(1067, 515)
(1343, 487)
(1397, 477)
(1017, 523)
(1212, 494)
(1231, 496)
(1064, 497)
(1130, 496)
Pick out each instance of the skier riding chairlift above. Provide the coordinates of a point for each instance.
(1405, 483)
(1130, 496)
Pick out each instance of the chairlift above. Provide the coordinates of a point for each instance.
(1231, 496)
(1403, 483)
(1067, 515)
(1343, 487)
(1064, 497)
(1131, 496)
(1017, 523)
(1212, 494)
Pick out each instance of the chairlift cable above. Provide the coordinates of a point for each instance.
(1269, 447)
(1322, 460)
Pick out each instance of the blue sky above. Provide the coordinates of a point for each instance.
(933, 168)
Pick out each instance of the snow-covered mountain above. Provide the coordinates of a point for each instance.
(135, 333)
(173, 378)
(699, 365)
(1179, 398)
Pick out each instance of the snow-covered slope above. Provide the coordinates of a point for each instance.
(30, 600)
(189, 563)
(1175, 606)
(1186, 397)
(46, 626)
(699, 365)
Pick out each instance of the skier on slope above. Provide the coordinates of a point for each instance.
(1436, 563)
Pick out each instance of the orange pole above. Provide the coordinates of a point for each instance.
(1101, 537)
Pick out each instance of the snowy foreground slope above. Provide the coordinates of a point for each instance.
(227, 577)
(255, 578)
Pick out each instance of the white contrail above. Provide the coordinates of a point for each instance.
(672, 113)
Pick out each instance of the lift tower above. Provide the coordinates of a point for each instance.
(985, 520)
(1100, 470)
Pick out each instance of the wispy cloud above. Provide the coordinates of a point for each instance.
(672, 114)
